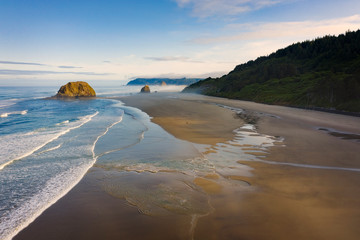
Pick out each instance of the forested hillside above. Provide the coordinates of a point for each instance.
(324, 72)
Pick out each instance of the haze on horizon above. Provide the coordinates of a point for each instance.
(48, 42)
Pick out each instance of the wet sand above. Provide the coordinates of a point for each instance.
(282, 201)
(193, 121)
(291, 202)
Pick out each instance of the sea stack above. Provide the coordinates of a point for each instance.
(145, 89)
(163, 83)
(76, 89)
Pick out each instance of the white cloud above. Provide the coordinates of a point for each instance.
(298, 31)
(209, 8)
(217, 53)
(239, 43)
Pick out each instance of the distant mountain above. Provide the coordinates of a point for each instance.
(323, 73)
(159, 81)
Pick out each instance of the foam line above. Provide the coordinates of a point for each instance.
(55, 182)
(101, 135)
(64, 122)
(87, 119)
(50, 149)
(4, 115)
(127, 146)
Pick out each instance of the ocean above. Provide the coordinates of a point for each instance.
(47, 146)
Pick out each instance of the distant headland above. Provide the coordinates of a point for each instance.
(163, 81)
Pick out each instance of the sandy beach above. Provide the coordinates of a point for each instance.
(305, 186)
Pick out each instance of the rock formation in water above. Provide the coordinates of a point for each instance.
(76, 89)
(163, 83)
(145, 89)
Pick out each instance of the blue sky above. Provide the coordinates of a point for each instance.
(50, 42)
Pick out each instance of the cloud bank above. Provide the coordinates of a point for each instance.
(22, 63)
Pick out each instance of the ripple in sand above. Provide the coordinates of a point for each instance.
(159, 194)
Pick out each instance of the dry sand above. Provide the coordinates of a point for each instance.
(285, 202)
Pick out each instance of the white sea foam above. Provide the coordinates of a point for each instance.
(248, 127)
(50, 149)
(4, 115)
(124, 147)
(55, 189)
(97, 139)
(62, 123)
(19, 146)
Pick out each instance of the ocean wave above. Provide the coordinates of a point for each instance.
(55, 189)
(9, 102)
(19, 146)
(4, 115)
(60, 184)
(63, 122)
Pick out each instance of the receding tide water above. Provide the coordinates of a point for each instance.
(48, 145)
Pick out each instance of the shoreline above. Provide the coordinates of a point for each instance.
(299, 203)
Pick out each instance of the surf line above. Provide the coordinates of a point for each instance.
(87, 119)
(50, 149)
(64, 192)
(101, 135)
(4, 115)
(306, 165)
(128, 146)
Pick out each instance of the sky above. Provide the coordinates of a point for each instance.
(110, 42)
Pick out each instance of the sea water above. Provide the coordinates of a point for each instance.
(47, 146)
